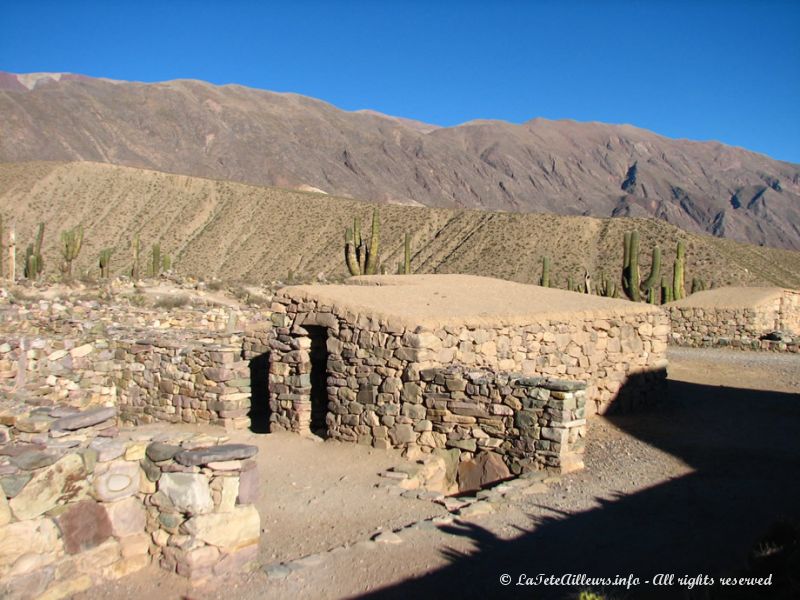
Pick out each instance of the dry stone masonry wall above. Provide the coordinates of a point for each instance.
(772, 324)
(82, 502)
(155, 377)
(386, 385)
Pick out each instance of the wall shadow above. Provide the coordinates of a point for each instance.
(259, 394)
(744, 448)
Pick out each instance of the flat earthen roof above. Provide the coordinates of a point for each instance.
(467, 300)
(730, 297)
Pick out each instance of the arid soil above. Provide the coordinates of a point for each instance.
(685, 488)
(234, 231)
(424, 300)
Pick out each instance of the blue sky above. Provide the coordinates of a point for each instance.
(728, 71)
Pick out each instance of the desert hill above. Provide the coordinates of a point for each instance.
(222, 229)
(286, 140)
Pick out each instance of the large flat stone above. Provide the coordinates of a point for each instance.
(59, 483)
(158, 451)
(119, 480)
(5, 511)
(485, 469)
(249, 484)
(493, 468)
(84, 419)
(30, 461)
(230, 530)
(36, 535)
(188, 492)
(127, 517)
(224, 452)
(83, 526)
(13, 484)
(107, 449)
(469, 476)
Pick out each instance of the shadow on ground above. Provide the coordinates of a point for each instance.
(745, 448)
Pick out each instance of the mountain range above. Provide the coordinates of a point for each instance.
(257, 137)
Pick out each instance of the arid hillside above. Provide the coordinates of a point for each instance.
(236, 231)
(253, 136)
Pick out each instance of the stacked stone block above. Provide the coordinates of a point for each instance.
(201, 517)
(82, 503)
(388, 384)
(168, 377)
(375, 361)
(179, 382)
(772, 324)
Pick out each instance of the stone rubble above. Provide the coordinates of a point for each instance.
(77, 509)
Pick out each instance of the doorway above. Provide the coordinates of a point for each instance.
(319, 378)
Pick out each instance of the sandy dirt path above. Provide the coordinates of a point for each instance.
(683, 488)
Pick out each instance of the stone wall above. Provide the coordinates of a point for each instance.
(602, 352)
(171, 377)
(159, 380)
(533, 423)
(773, 324)
(82, 503)
(375, 392)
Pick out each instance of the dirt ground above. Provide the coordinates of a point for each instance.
(684, 488)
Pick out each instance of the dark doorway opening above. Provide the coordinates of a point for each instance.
(319, 379)
(259, 394)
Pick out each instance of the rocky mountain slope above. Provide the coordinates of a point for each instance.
(252, 136)
(236, 231)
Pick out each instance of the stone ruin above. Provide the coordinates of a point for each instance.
(490, 377)
(457, 363)
(737, 317)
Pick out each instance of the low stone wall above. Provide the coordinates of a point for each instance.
(82, 503)
(381, 385)
(622, 359)
(152, 377)
(769, 322)
(533, 423)
(159, 380)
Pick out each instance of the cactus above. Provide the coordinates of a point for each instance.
(666, 291)
(630, 266)
(407, 255)
(360, 258)
(136, 246)
(350, 257)
(606, 287)
(372, 254)
(71, 242)
(571, 284)
(37, 252)
(12, 255)
(166, 263)
(32, 266)
(155, 266)
(698, 285)
(678, 282)
(654, 277)
(105, 262)
(544, 280)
